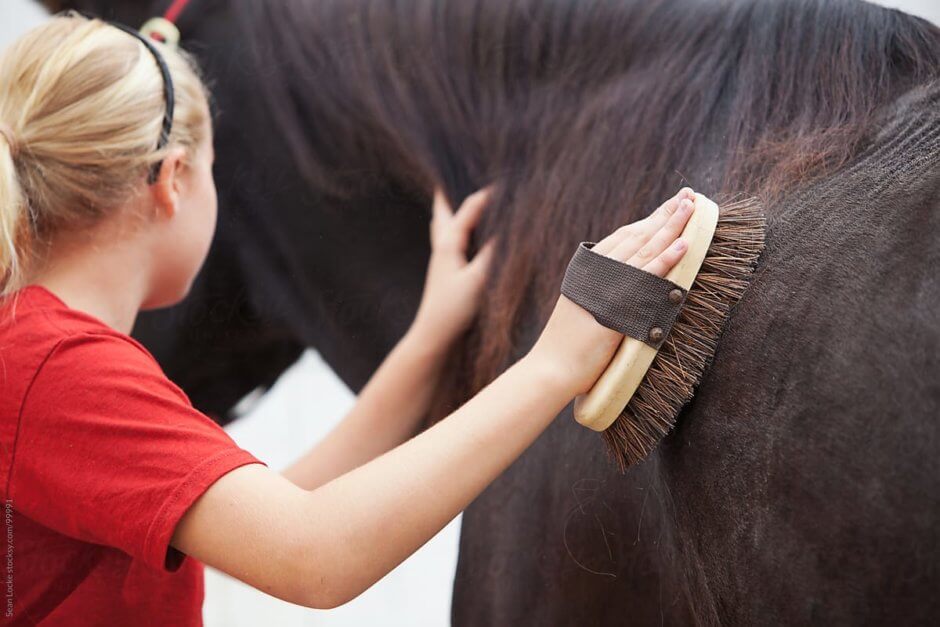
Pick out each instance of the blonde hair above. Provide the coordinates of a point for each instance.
(81, 111)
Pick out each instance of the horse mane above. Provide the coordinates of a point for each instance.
(583, 114)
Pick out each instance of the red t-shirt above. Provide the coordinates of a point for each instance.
(101, 455)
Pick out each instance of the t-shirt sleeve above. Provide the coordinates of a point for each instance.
(110, 451)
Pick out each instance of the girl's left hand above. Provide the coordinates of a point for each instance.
(454, 285)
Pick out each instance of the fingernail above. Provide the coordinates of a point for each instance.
(679, 245)
(685, 206)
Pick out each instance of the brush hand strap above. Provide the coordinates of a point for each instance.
(623, 298)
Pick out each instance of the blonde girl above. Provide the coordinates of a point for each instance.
(117, 489)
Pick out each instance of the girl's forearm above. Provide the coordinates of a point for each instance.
(387, 412)
(372, 518)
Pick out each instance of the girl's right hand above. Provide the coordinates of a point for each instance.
(573, 345)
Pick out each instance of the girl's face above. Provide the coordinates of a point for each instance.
(183, 241)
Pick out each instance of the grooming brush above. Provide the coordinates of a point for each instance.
(637, 399)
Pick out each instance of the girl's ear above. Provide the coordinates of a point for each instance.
(166, 190)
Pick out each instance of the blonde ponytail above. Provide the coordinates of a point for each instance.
(81, 111)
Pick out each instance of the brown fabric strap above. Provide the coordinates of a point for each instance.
(623, 298)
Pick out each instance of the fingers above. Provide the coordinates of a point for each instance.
(662, 239)
(481, 262)
(441, 216)
(440, 209)
(451, 231)
(610, 242)
(631, 237)
(472, 208)
(666, 260)
(658, 218)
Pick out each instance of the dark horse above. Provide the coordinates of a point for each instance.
(802, 484)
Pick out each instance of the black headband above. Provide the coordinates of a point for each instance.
(167, 91)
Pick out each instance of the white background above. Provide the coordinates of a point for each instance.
(302, 407)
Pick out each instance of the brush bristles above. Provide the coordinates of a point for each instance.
(678, 367)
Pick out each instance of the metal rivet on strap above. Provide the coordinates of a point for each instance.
(675, 296)
(656, 334)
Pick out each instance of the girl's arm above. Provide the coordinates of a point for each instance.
(321, 548)
(387, 412)
(324, 547)
(390, 407)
